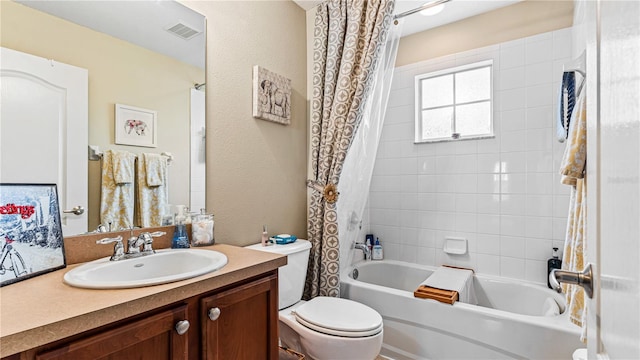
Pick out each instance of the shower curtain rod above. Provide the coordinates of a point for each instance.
(420, 8)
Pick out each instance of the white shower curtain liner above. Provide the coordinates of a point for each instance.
(360, 160)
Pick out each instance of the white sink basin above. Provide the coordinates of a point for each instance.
(160, 268)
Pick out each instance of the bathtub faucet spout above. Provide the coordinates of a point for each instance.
(365, 249)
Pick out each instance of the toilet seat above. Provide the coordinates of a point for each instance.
(339, 317)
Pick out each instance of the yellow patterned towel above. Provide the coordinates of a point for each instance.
(573, 170)
(574, 160)
(123, 166)
(116, 200)
(151, 199)
(156, 168)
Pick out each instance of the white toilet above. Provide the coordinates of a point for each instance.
(323, 328)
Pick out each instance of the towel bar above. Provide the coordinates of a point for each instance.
(95, 154)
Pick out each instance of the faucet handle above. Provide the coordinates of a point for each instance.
(110, 240)
(148, 240)
(118, 248)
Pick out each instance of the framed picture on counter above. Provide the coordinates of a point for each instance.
(30, 231)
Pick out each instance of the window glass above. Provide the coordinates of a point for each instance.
(456, 100)
(473, 119)
(437, 123)
(437, 91)
(473, 85)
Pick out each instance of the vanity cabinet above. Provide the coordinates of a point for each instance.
(239, 321)
(152, 337)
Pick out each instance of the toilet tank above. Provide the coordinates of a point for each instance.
(291, 277)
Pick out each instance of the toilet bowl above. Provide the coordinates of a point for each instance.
(332, 328)
(323, 328)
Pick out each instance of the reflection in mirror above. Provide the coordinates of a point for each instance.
(145, 54)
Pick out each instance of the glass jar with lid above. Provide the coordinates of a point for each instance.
(202, 229)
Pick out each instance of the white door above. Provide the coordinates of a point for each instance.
(614, 179)
(44, 129)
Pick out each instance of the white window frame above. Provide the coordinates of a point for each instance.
(419, 108)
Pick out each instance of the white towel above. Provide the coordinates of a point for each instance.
(460, 280)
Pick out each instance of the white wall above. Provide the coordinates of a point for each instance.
(502, 194)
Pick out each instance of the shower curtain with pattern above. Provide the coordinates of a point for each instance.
(349, 36)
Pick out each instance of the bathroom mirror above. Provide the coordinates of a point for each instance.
(145, 54)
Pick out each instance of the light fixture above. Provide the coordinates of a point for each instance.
(432, 10)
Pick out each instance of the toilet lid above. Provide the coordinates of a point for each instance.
(340, 317)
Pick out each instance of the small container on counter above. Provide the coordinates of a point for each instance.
(180, 238)
(202, 230)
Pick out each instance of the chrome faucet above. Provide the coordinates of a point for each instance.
(365, 249)
(102, 228)
(134, 245)
(133, 249)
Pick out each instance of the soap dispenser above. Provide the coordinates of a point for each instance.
(180, 237)
(553, 263)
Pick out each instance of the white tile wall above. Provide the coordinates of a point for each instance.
(503, 194)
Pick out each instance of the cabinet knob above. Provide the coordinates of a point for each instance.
(182, 327)
(214, 313)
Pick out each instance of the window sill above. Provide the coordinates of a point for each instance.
(480, 137)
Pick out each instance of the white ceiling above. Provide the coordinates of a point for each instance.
(143, 22)
(454, 10)
(140, 22)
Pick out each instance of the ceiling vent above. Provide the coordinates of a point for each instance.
(182, 30)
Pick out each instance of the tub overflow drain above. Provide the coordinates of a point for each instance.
(354, 274)
(138, 265)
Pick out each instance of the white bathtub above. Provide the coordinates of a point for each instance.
(508, 323)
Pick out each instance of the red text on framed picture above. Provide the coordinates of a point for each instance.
(30, 231)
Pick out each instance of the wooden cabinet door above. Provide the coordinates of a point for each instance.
(241, 323)
(153, 338)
